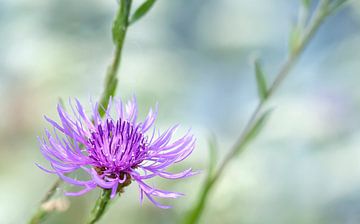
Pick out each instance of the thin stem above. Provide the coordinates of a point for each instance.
(51, 191)
(100, 206)
(38, 217)
(120, 26)
(320, 14)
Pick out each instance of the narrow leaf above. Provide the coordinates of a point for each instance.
(141, 11)
(254, 131)
(306, 3)
(213, 153)
(260, 80)
(257, 127)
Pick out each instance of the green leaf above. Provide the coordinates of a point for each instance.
(261, 81)
(257, 127)
(295, 39)
(141, 11)
(253, 131)
(306, 3)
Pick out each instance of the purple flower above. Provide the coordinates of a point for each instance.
(114, 150)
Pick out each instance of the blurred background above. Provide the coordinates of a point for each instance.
(195, 59)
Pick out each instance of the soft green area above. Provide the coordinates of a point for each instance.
(196, 59)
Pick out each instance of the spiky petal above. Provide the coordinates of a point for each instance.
(114, 150)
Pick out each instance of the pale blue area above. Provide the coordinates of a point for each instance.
(194, 58)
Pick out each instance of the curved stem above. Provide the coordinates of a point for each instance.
(320, 14)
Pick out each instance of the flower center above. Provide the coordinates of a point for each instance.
(101, 171)
(116, 147)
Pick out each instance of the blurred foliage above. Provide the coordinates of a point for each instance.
(191, 57)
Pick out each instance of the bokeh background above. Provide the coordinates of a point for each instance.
(194, 58)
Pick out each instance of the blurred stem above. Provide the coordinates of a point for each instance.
(100, 206)
(319, 16)
(51, 191)
(39, 216)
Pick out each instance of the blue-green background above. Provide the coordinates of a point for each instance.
(195, 59)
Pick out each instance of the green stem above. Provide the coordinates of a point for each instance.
(120, 27)
(100, 206)
(321, 13)
(38, 217)
(51, 191)
(197, 210)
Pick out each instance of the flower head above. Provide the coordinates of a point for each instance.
(115, 150)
